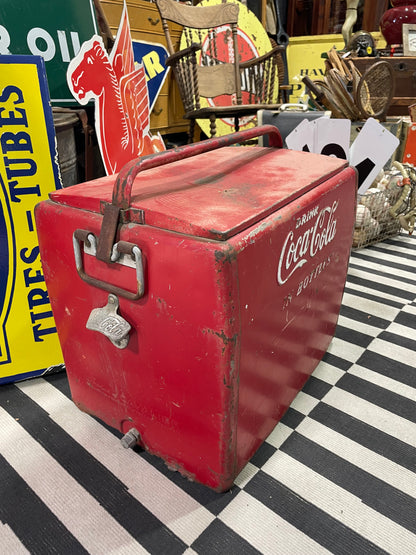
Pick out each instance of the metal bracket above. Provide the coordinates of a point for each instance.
(123, 253)
(107, 321)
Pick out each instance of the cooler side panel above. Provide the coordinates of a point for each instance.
(292, 270)
(176, 381)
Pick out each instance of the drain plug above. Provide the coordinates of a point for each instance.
(130, 438)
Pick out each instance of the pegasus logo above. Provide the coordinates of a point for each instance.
(120, 92)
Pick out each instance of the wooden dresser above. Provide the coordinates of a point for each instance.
(145, 25)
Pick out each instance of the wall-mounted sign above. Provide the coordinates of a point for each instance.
(119, 88)
(304, 58)
(54, 30)
(153, 57)
(28, 172)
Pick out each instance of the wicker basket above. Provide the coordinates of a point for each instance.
(373, 219)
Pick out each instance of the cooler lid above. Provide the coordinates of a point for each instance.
(213, 195)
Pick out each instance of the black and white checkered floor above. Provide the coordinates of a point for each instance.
(337, 475)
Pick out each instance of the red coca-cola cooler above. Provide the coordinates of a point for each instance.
(195, 292)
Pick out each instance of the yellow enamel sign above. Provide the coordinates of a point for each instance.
(28, 172)
(305, 57)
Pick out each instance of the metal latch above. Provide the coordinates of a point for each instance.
(107, 321)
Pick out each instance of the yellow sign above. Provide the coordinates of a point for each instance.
(253, 41)
(304, 57)
(29, 343)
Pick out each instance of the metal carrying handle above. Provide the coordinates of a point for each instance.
(123, 186)
(125, 179)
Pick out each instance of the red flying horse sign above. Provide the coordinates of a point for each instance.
(119, 89)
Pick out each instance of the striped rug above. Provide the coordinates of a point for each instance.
(337, 474)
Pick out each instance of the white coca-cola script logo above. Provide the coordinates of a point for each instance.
(297, 249)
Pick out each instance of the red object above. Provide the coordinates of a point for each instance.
(409, 154)
(119, 89)
(391, 23)
(396, 3)
(245, 253)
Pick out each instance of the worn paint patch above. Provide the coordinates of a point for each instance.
(227, 256)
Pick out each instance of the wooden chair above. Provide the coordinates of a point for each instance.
(202, 69)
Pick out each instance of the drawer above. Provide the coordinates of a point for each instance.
(167, 113)
(144, 20)
(159, 118)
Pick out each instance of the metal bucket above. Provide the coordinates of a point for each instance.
(64, 123)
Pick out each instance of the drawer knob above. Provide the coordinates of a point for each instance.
(153, 21)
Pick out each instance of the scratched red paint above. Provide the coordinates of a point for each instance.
(230, 325)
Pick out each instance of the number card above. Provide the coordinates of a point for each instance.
(332, 137)
(302, 137)
(322, 136)
(370, 151)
